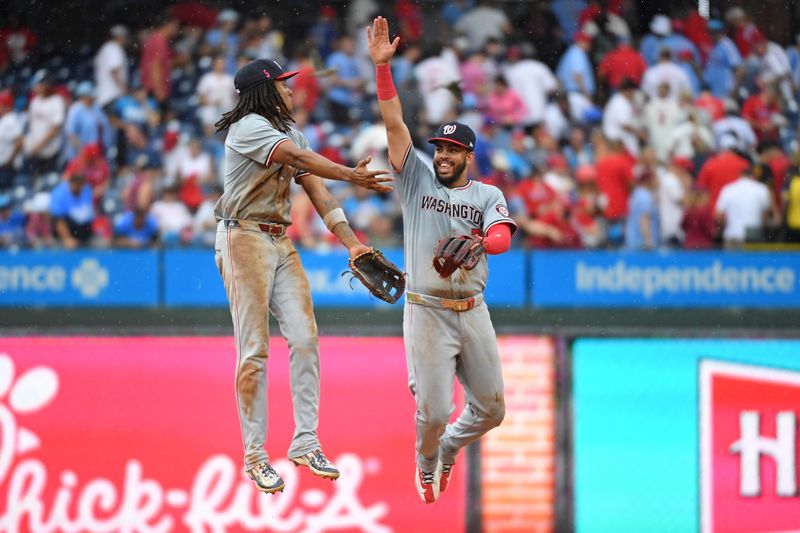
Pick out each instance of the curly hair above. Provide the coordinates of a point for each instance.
(264, 100)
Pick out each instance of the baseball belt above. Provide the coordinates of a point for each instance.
(457, 305)
(270, 228)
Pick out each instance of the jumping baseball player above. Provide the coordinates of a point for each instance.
(448, 222)
(261, 269)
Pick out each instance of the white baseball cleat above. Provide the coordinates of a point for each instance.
(318, 463)
(266, 478)
(427, 485)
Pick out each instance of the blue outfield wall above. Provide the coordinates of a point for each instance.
(666, 279)
(80, 279)
(191, 279)
(517, 279)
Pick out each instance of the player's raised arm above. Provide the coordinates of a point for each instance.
(381, 51)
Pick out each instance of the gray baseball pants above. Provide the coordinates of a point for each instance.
(262, 274)
(442, 344)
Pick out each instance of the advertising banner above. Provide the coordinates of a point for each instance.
(142, 434)
(690, 436)
(79, 278)
(665, 279)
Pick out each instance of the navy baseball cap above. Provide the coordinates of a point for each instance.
(456, 133)
(259, 71)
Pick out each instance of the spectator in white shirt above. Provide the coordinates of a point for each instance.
(434, 74)
(46, 114)
(205, 222)
(733, 131)
(111, 67)
(173, 217)
(195, 163)
(481, 23)
(662, 115)
(532, 80)
(620, 118)
(745, 207)
(216, 92)
(673, 183)
(665, 71)
(10, 139)
(770, 62)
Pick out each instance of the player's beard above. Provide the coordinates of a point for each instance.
(458, 170)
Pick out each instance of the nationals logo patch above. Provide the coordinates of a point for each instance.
(503, 210)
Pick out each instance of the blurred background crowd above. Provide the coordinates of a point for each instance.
(603, 130)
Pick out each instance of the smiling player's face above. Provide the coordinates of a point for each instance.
(450, 163)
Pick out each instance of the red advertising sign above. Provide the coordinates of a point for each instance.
(748, 448)
(142, 435)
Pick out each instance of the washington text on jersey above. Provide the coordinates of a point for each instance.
(454, 210)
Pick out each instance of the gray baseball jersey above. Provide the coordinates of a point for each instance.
(432, 212)
(442, 343)
(256, 188)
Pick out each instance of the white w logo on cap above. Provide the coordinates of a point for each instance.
(450, 128)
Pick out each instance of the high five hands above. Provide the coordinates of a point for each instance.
(369, 179)
(380, 49)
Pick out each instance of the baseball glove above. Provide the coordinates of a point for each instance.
(462, 251)
(379, 275)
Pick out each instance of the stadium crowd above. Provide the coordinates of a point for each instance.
(682, 134)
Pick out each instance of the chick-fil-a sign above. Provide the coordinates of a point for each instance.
(141, 435)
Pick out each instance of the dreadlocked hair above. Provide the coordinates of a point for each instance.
(264, 100)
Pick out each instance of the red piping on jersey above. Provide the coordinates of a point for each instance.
(405, 158)
(467, 186)
(268, 162)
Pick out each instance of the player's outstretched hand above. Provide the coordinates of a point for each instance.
(369, 179)
(381, 49)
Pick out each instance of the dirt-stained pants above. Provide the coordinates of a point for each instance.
(263, 274)
(440, 345)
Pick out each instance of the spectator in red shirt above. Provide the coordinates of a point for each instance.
(695, 28)
(156, 61)
(305, 86)
(586, 209)
(542, 215)
(621, 63)
(720, 170)
(17, 41)
(763, 112)
(91, 164)
(771, 155)
(409, 20)
(615, 180)
(745, 33)
(713, 106)
(698, 224)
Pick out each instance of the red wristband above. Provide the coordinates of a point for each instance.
(384, 83)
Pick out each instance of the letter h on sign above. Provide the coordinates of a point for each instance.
(748, 447)
(752, 445)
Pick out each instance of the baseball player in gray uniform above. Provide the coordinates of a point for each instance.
(446, 325)
(260, 268)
